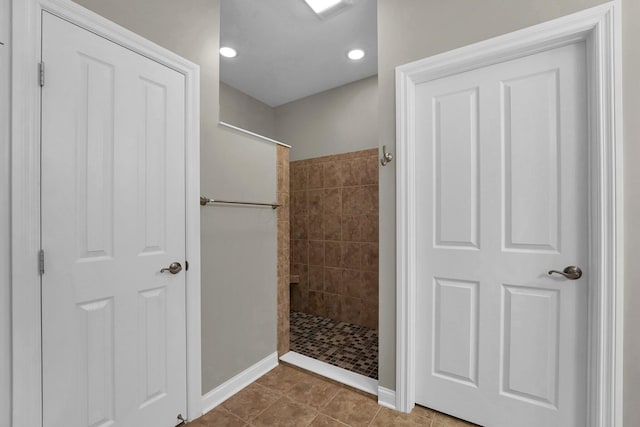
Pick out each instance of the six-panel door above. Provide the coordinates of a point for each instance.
(501, 161)
(113, 215)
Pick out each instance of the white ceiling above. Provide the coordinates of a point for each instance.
(285, 52)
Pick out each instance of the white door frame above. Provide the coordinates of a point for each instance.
(25, 197)
(599, 28)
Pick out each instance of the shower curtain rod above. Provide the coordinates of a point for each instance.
(204, 201)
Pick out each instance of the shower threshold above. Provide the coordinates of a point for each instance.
(343, 376)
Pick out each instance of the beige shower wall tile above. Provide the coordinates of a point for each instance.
(299, 203)
(369, 224)
(283, 210)
(284, 259)
(315, 202)
(360, 200)
(280, 177)
(284, 332)
(370, 285)
(331, 175)
(316, 277)
(302, 271)
(351, 309)
(283, 291)
(333, 306)
(299, 227)
(369, 316)
(371, 171)
(352, 228)
(359, 171)
(351, 255)
(352, 283)
(333, 280)
(282, 155)
(370, 256)
(332, 227)
(299, 299)
(299, 177)
(332, 254)
(284, 250)
(316, 227)
(337, 157)
(316, 253)
(349, 172)
(286, 179)
(316, 176)
(300, 252)
(333, 201)
(316, 303)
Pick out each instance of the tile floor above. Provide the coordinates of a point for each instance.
(288, 396)
(341, 344)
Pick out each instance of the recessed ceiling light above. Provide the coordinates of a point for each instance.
(320, 6)
(355, 54)
(323, 8)
(228, 52)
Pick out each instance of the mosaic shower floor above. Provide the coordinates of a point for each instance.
(341, 344)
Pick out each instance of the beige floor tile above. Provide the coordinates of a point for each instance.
(423, 412)
(388, 417)
(285, 413)
(351, 408)
(282, 378)
(313, 391)
(250, 402)
(442, 420)
(218, 417)
(288, 396)
(324, 421)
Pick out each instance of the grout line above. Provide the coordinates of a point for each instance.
(232, 414)
(329, 401)
(374, 417)
(334, 419)
(250, 422)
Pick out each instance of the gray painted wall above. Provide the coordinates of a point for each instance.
(244, 111)
(336, 121)
(238, 245)
(239, 314)
(409, 30)
(339, 120)
(5, 231)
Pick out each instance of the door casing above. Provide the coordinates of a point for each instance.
(599, 28)
(25, 197)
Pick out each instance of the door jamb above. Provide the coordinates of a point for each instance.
(25, 197)
(599, 28)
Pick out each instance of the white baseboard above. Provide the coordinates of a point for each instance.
(224, 391)
(366, 384)
(387, 398)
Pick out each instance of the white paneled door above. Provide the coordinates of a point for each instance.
(501, 162)
(113, 215)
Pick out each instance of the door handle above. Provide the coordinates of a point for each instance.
(571, 272)
(174, 268)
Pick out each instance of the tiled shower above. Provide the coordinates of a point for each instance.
(334, 259)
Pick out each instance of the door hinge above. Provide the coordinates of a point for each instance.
(41, 261)
(41, 73)
(186, 265)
